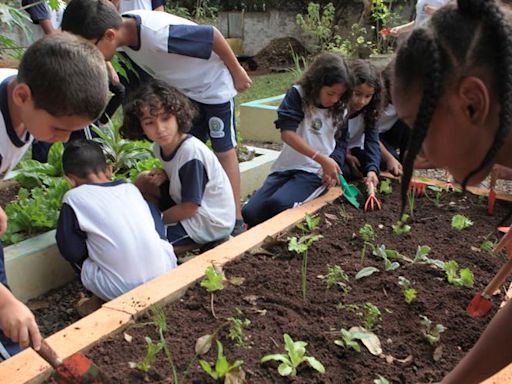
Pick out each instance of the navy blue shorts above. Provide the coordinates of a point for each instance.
(217, 123)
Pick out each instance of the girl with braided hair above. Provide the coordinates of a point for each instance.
(453, 86)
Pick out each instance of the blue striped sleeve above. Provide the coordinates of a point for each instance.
(157, 3)
(191, 40)
(37, 12)
(193, 178)
(372, 149)
(290, 112)
(71, 240)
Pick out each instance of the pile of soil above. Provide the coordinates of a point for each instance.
(8, 192)
(278, 54)
(270, 297)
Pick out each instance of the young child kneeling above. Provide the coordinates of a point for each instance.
(192, 190)
(106, 230)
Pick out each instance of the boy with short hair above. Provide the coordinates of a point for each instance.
(106, 230)
(195, 59)
(61, 86)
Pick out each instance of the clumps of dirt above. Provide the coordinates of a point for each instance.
(8, 192)
(278, 54)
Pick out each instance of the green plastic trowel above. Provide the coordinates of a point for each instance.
(350, 191)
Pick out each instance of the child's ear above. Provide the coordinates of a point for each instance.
(110, 35)
(21, 94)
(108, 172)
(475, 99)
(71, 180)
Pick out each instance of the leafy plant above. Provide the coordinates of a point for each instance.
(385, 187)
(411, 202)
(301, 246)
(349, 340)
(461, 222)
(432, 334)
(438, 195)
(380, 380)
(236, 330)
(336, 276)
(295, 355)
(222, 367)
(31, 173)
(488, 246)
(160, 321)
(408, 291)
(371, 315)
(318, 23)
(365, 272)
(213, 281)
(353, 308)
(386, 254)
(462, 277)
(422, 257)
(153, 350)
(368, 235)
(344, 215)
(401, 228)
(310, 223)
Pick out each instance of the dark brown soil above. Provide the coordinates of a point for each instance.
(8, 191)
(278, 55)
(271, 298)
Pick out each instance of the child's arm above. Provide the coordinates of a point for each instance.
(372, 150)
(223, 50)
(180, 212)
(3, 221)
(39, 14)
(397, 31)
(491, 353)
(71, 240)
(17, 322)
(392, 164)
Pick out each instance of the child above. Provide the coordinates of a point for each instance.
(196, 59)
(61, 86)
(130, 5)
(309, 117)
(41, 14)
(362, 137)
(193, 190)
(114, 249)
(424, 9)
(454, 91)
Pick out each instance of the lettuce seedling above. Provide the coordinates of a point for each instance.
(222, 366)
(213, 282)
(371, 315)
(153, 349)
(422, 257)
(459, 278)
(236, 330)
(461, 222)
(438, 195)
(401, 228)
(488, 246)
(408, 292)
(310, 223)
(295, 355)
(385, 187)
(386, 254)
(432, 334)
(349, 339)
(336, 276)
(300, 246)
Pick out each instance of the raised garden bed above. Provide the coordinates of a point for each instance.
(257, 120)
(270, 296)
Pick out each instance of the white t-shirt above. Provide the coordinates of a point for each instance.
(130, 5)
(387, 119)
(421, 16)
(180, 52)
(356, 132)
(124, 249)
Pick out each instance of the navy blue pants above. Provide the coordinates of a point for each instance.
(280, 191)
(396, 140)
(361, 155)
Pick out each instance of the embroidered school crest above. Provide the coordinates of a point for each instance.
(216, 126)
(316, 125)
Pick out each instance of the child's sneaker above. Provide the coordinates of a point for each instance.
(240, 227)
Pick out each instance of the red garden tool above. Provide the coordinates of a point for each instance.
(491, 201)
(372, 202)
(418, 188)
(481, 303)
(75, 369)
(385, 32)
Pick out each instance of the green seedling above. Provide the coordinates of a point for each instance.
(295, 355)
(368, 235)
(160, 321)
(352, 308)
(488, 246)
(432, 334)
(380, 380)
(401, 228)
(461, 222)
(386, 255)
(371, 315)
(310, 223)
(411, 202)
(236, 330)
(458, 277)
(365, 272)
(213, 282)
(344, 215)
(349, 340)
(437, 196)
(301, 246)
(222, 367)
(153, 350)
(385, 187)
(337, 276)
(408, 291)
(421, 257)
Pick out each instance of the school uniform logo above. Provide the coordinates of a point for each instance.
(216, 126)
(316, 126)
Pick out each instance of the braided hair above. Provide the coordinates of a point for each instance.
(473, 33)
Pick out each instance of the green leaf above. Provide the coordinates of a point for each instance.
(315, 364)
(213, 280)
(461, 222)
(285, 370)
(365, 272)
(466, 277)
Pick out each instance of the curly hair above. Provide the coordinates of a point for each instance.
(436, 55)
(157, 97)
(327, 69)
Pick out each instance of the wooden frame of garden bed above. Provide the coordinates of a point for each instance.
(116, 315)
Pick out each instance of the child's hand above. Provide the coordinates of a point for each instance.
(372, 178)
(395, 31)
(330, 169)
(157, 176)
(17, 322)
(3, 221)
(241, 79)
(394, 166)
(355, 165)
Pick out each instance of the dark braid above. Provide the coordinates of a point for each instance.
(421, 48)
(493, 19)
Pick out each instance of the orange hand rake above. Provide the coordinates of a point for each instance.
(481, 303)
(418, 188)
(372, 202)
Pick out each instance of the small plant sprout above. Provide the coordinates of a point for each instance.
(153, 350)
(310, 223)
(401, 228)
(459, 278)
(437, 196)
(371, 315)
(344, 215)
(368, 235)
(408, 291)
(386, 255)
(301, 246)
(222, 367)
(411, 202)
(336, 276)
(461, 222)
(421, 257)
(160, 321)
(432, 334)
(349, 340)
(380, 380)
(236, 330)
(487, 246)
(213, 282)
(295, 355)
(385, 187)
